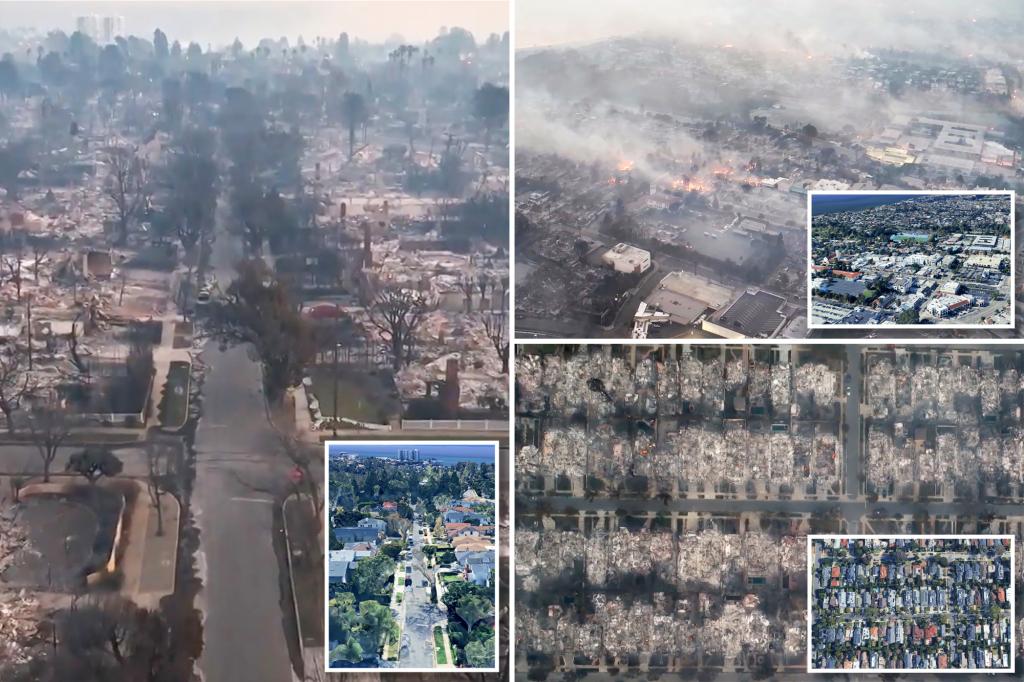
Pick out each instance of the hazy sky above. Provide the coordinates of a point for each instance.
(909, 23)
(220, 21)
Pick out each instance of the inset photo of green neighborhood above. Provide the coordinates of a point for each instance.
(936, 603)
(911, 259)
(412, 565)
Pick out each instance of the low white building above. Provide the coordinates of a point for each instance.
(627, 258)
(945, 306)
(913, 301)
(951, 287)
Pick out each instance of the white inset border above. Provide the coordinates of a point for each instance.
(874, 671)
(1012, 297)
(495, 445)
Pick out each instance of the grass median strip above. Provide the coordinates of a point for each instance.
(442, 659)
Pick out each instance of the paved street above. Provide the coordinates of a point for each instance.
(732, 506)
(419, 614)
(238, 474)
(24, 459)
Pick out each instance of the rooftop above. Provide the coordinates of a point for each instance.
(755, 313)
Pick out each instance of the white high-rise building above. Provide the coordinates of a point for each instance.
(103, 29)
(111, 27)
(88, 25)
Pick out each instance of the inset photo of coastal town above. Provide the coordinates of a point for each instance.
(911, 259)
(412, 566)
(911, 604)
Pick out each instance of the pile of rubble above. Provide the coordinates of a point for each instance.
(887, 461)
(635, 627)
(19, 623)
(817, 384)
(620, 627)
(944, 393)
(617, 625)
(628, 556)
(707, 559)
(988, 391)
(963, 454)
(668, 387)
(597, 558)
(528, 461)
(739, 626)
(541, 557)
(611, 454)
(702, 384)
(564, 385)
(650, 460)
(760, 383)
(795, 639)
(737, 455)
(645, 376)
(925, 385)
(880, 384)
(19, 611)
(792, 554)
(736, 375)
(781, 385)
(530, 388)
(564, 451)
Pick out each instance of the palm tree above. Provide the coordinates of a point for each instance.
(354, 113)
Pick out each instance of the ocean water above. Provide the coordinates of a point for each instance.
(823, 204)
(447, 455)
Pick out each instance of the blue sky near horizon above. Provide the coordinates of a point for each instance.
(455, 451)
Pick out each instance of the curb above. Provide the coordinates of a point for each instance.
(291, 573)
(85, 438)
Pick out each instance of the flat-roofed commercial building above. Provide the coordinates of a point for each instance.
(627, 258)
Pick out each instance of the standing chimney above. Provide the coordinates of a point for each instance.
(367, 248)
(450, 391)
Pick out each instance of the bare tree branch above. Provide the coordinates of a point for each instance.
(496, 328)
(15, 384)
(126, 187)
(397, 314)
(50, 428)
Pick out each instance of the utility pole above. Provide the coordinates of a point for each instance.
(28, 328)
(334, 423)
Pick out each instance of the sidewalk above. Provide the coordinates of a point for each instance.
(104, 435)
(449, 653)
(306, 578)
(149, 561)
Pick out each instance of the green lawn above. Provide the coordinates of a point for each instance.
(362, 398)
(174, 404)
(442, 659)
(391, 647)
(450, 578)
